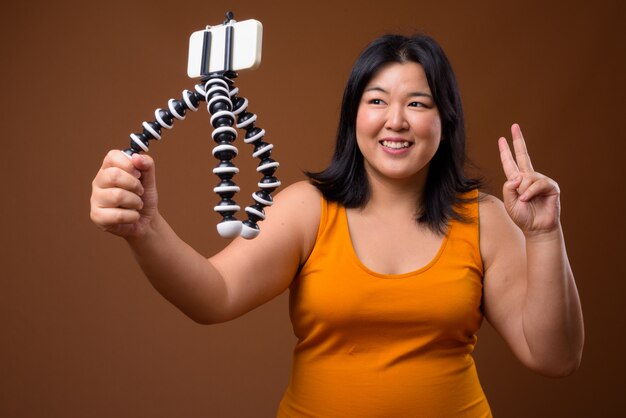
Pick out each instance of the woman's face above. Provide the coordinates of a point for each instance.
(398, 128)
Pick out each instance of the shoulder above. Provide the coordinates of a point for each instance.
(302, 198)
(489, 206)
(299, 207)
(491, 210)
(302, 189)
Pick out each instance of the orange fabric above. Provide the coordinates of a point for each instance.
(376, 345)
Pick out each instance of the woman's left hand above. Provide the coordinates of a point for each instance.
(530, 198)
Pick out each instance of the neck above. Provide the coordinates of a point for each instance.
(396, 197)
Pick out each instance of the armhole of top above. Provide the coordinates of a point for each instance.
(323, 218)
(480, 254)
(320, 228)
(471, 228)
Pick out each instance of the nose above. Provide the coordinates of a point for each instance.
(396, 119)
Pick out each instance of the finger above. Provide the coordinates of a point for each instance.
(108, 217)
(508, 163)
(542, 187)
(116, 158)
(527, 180)
(509, 190)
(117, 198)
(115, 177)
(145, 164)
(521, 153)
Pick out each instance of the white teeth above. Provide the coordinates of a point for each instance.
(396, 144)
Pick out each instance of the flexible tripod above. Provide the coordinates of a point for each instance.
(218, 90)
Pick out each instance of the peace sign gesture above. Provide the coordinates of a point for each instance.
(530, 198)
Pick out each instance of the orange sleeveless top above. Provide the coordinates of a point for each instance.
(378, 345)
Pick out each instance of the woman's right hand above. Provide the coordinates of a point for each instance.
(124, 195)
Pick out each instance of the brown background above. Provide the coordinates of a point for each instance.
(83, 333)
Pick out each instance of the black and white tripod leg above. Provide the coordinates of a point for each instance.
(224, 134)
(163, 119)
(267, 166)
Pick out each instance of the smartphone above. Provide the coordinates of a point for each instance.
(208, 53)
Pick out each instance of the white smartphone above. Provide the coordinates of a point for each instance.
(207, 48)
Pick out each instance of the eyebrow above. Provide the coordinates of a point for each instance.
(412, 94)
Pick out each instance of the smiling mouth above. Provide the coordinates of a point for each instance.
(395, 144)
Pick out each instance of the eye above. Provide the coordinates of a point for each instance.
(418, 104)
(375, 101)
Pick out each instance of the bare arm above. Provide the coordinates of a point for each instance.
(530, 293)
(239, 278)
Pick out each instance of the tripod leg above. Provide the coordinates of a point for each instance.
(267, 166)
(163, 118)
(224, 134)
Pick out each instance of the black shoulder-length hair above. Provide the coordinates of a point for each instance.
(345, 180)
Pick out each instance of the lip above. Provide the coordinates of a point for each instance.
(395, 150)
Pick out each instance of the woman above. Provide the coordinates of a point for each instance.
(391, 274)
